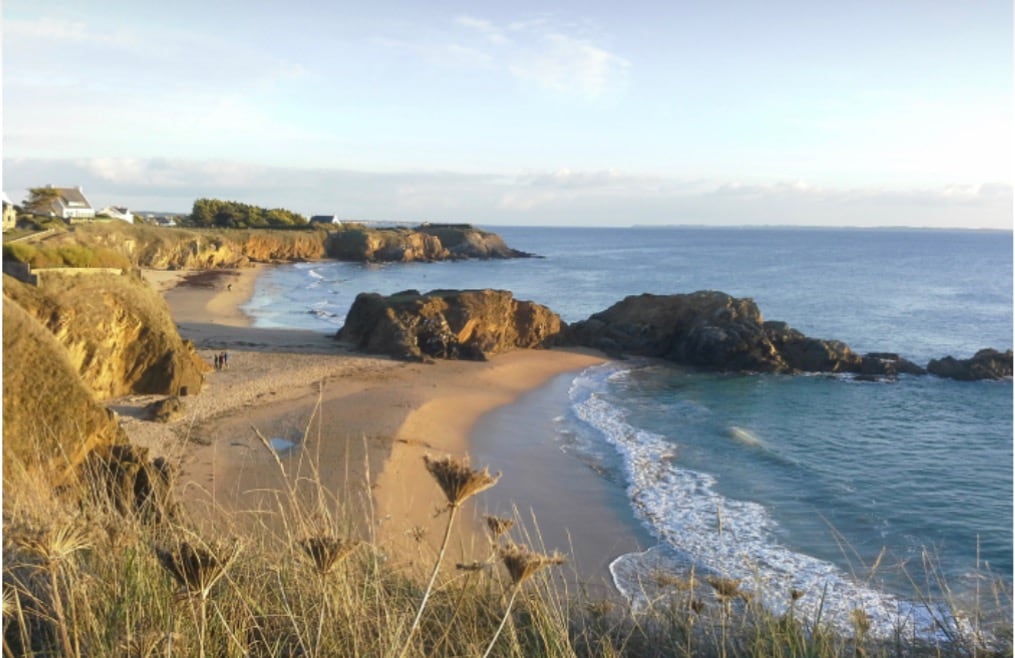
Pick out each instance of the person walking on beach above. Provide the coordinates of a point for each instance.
(225, 359)
(217, 362)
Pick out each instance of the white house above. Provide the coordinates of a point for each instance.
(326, 219)
(117, 212)
(68, 203)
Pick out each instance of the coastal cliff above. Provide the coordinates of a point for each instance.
(51, 418)
(115, 331)
(116, 244)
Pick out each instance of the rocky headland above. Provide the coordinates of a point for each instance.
(117, 244)
(706, 329)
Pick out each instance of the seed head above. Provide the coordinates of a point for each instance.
(54, 544)
(498, 526)
(725, 588)
(195, 568)
(457, 480)
(327, 552)
(522, 563)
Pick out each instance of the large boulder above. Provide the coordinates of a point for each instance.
(985, 364)
(447, 324)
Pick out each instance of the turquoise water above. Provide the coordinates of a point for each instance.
(814, 478)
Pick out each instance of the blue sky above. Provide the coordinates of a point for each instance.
(582, 113)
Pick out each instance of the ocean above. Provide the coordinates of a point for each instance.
(856, 493)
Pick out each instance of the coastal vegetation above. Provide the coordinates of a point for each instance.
(233, 214)
(95, 577)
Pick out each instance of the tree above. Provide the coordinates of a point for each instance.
(40, 200)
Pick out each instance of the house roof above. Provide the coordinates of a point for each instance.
(73, 197)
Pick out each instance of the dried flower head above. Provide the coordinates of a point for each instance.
(664, 579)
(522, 563)
(796, 594)
(195, 568)
(861, 621)
(457, 479)
(54, 544)
(498, 525)
(326, 552)
(725, 588)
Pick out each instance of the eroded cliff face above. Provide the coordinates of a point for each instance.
(448, 324)
(51, 419)
(116, 333)
(179, 248)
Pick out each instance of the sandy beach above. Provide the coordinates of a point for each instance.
(351, 425)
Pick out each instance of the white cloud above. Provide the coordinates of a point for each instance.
(491, 32)
(547, 56)
(562, 197)
(52, 30)
(566, 64)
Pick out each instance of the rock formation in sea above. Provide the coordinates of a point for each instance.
(428, 242)
(448, 324)
(713, 330)
(985, 364)
(705, 329)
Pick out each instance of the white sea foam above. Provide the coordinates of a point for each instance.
(733, 538)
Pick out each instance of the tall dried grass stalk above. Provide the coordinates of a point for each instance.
(521, 564)
(459, 482)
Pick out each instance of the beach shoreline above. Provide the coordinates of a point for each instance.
(360, 425)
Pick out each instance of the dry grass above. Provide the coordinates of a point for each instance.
(84, 580)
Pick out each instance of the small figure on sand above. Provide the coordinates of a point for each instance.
(218, 362)
(229, 287)
(224, 359)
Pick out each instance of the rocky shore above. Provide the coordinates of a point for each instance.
(707, 329)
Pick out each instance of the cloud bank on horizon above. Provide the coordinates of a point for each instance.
(864, 114)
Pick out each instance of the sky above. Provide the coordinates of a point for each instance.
(860, 113)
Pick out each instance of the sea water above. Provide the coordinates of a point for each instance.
(858, 494)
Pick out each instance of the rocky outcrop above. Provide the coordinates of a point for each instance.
(51, 419)
(706, 329)
(424, 243)
(985, 364)
(116, 333)
(713, 330)
(447, 324)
